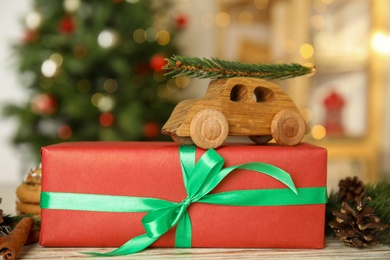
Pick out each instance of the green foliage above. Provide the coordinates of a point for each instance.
(334, 203)
(380, 194)
(117, 78)
(216, 68)
(12, 221)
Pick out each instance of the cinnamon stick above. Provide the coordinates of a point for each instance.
(15, 241)
(33, 237)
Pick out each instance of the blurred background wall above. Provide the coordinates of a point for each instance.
(345, 102)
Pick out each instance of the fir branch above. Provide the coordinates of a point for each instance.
(380, 194)
(215, 68)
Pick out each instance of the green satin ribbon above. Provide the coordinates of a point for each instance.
(199, 180)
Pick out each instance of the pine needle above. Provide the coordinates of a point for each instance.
(216, 68)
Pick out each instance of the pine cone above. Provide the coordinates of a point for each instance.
(357, 228)
(351, 189)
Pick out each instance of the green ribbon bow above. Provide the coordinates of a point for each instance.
(199, 180)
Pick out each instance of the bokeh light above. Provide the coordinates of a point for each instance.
(107, 39)
(110, 85)
(306, 50)
(96, 98)
(49, 68)
(163, 37)
(245, 18)
(261, 4)
(222, 19)
(151, 34)
(318, 132)
(139, 36)
(33, 20)
(71, 5)
(182, 82)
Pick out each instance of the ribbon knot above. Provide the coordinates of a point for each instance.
(186, 202)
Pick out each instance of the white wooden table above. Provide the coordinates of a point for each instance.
(334, 249)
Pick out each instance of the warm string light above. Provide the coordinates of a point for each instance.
(50, 66)
(33, 20)
(318, 132)
(108, 38)
(102, 102)
(71, 5)
(380, 42)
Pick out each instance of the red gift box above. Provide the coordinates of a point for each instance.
(153, 170)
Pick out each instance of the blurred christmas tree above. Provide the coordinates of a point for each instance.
(93, 71)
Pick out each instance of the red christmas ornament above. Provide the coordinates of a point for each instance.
(44, 104)
(67, 25)
(64, 132)
(30, 36)
(181, 21)
(334, 104)
(157, 62)
(106, 119)
(151, 130)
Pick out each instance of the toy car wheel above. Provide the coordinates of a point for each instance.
(209, 128)
(288, 127)
(183, 140)
(260, 139)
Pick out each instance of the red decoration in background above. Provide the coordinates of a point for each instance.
(30, 36)
(67, 25)
(181, 21)
(151, 130)
(106, 119)
(157, 62)
(64, 132)
(44, 104)
(334, 104)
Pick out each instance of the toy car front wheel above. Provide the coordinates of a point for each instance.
(288, 127)
(209, 128)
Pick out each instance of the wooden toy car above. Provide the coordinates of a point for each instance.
(237, 106)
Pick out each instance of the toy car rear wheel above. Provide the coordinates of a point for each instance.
(288, 127)
(260, 139)
(209, 128)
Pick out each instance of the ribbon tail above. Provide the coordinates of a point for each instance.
(132, 246)
(184, 232)
(268, 197)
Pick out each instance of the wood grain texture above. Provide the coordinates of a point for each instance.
(334, 249)
(248, 104)
(288, 127)
(209, 129)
